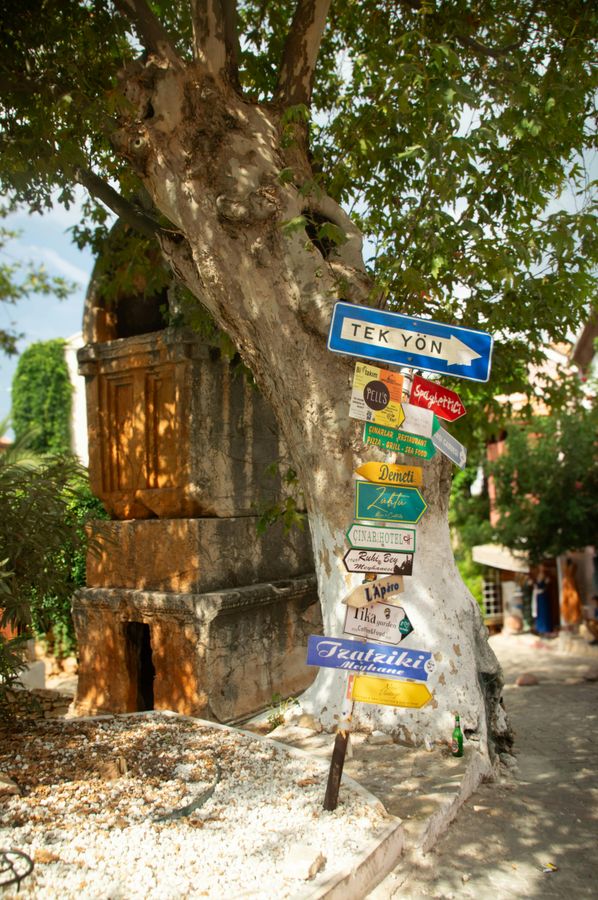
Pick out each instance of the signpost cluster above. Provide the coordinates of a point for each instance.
(388, 501)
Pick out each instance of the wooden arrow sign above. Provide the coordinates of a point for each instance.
(385, 473)
(388, 693)
(379, 591)
(381, 622)
(430, 395)
(378, 562)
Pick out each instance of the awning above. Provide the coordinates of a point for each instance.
(500, 557)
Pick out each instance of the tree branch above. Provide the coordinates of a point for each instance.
(300, 53)
(215, 38)
(477, 46)
(231, 41)
(498, 52)
(117, 203)
(149, 29)
(483, 50)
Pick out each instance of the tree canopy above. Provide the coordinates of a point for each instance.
(447, 130)
(547, 484)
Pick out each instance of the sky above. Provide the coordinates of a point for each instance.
(44, 240)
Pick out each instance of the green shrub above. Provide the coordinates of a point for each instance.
(45, 502)
(51, 612)
(42, 398)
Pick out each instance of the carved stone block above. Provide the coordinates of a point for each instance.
(218, 655)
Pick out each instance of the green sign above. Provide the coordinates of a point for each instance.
(389, 504)
(398, 441)
(405, 626)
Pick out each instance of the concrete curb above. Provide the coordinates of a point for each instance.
(478, 768)
(372, 865)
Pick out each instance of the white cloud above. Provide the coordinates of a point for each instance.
(56, 262)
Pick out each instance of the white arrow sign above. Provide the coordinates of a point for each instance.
(450, 350)
(381, 537)
(380, 622)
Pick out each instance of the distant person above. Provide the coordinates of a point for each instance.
(571, 612)
(591, 620)
(544, 624)
(526, 584)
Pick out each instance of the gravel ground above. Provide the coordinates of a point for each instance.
(93, 793)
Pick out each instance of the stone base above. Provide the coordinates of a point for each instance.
(219, 655)
(193, 555)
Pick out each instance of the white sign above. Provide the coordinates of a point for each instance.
(382, 537)
(452, 351)
(450, 446)
(379, 562)
(380, 622)
(418, 420)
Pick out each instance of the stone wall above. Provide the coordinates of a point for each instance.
(39, 703)
(194, 555)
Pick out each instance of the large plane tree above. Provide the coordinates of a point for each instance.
(259, 143)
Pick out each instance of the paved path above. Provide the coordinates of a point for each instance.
(545, 811)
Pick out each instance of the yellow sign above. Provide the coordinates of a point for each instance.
(385, 473)
(377, 395)
(366, 689)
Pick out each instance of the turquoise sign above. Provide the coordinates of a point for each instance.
(389, 504)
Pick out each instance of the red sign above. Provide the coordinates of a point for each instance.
(429, 395)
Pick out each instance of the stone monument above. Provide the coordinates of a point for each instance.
(186, 607)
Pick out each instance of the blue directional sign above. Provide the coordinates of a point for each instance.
(370, 658)
(409, 341)
(390, 504)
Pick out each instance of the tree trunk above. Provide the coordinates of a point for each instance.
(212, 164)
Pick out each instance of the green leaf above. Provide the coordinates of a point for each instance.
(291, 226)
(330, 232)
(285, 176)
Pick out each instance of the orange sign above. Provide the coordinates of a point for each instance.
(386, 473)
